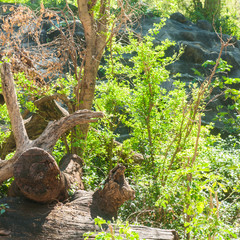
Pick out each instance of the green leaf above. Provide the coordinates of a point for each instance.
(2, 211)
(200, 207)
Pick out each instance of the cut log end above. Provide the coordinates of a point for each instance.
(38, 177)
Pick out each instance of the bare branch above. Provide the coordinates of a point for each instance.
(10, 97)
(86, 18)
(55, 129)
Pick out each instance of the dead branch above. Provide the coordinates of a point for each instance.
(50, 135)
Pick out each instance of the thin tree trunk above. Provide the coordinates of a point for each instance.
(212, 9)
(95, 33)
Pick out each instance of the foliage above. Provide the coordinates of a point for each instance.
(230, 115)
(59, 150)
(4, 124)
(117, 230)
(187, 179)
(227, 21)
(4, 187)
(3, 208)
(178, 184)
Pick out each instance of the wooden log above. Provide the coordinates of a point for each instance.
(115, 192)
(38, 177)
(25, 220)
(71, 166)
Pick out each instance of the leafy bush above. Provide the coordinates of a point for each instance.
(178, 183)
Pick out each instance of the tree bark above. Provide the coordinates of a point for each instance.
(29, 220)
(115, 192)
(25, 220)
(71, 166)
(38, 177)
(8, 89)
(95, 32)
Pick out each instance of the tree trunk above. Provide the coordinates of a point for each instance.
(95, 33)
(212, 9)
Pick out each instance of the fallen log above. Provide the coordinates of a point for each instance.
(38, 177)
(25, 220)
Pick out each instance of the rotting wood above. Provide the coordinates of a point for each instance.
(114, 193)
(38, 177)
(71, 166)
(26, 220)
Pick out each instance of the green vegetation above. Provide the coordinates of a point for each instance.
(124, 231)
(187, 179)
(3, 208)
(179, 182)
(223, 14)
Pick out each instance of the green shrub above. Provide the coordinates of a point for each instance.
(178, 184)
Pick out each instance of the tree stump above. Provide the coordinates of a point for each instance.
(71, 166)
